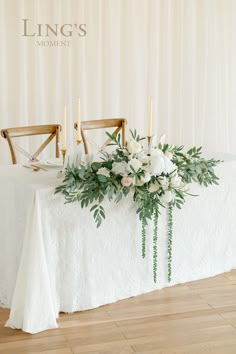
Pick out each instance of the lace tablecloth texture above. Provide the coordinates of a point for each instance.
(54, 259)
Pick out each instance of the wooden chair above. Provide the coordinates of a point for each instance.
(119, 123)
(12, 133)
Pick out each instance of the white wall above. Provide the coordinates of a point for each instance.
(180, 52)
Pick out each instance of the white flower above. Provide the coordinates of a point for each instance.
(134, 147)
(144, 179)
(169, 165)
(146, 164)
(138, 183)
(157, 164)
(145, 159)
(166, 197)
(175, 181)
(120, 168)
(160, 163)
(141, 155)
(135, 164)
(154, 187)
(157, 152)
(103, 171)
(154, 141)
(163, 182)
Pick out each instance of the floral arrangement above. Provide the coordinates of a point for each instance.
(157, 179)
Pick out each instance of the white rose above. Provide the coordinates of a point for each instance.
(163, 182)
(145, 159)
(135, 164)
(175, 181)
(146, 164)
(134, 147)
(120, 168)
(166, 197)
(103, 171)
(144, 179)
(154, 187)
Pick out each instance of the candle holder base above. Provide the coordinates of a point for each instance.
(149, 141)
(63, 152)
(61, 173)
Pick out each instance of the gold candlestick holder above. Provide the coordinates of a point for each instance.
(63, 152)
(61, 173)
(149, 141)
(79, 139)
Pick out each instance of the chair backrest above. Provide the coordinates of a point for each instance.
(119, 123)
(12, 133)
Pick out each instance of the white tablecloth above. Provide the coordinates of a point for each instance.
(53, 258)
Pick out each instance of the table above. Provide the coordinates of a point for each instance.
(54, 259)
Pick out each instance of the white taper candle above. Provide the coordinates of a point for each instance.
(150, 119)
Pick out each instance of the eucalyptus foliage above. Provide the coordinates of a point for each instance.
(156, 180)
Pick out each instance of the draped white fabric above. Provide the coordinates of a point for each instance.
(54, 259)
(182, 53)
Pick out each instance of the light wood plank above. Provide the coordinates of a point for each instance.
(156, 327)
(194, 318)
(174, 339)
(211, 347)
(35, 345)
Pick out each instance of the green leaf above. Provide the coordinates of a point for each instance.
(95, 166)
(102, 178)
(93, 207)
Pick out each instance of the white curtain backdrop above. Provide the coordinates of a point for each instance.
(182, 53)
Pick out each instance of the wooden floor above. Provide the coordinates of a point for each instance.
(194, 318)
